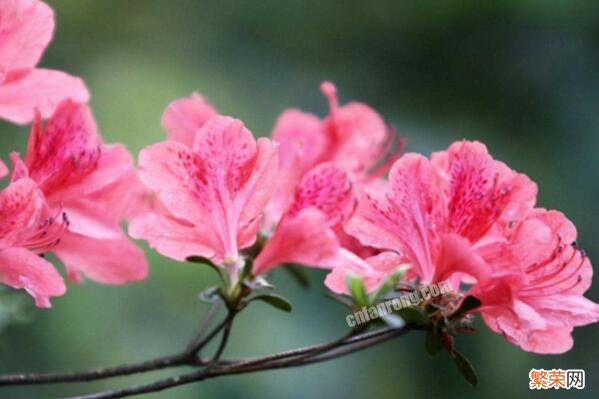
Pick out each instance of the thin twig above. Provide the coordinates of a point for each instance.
(224, 340)
(204, 325)
(196, 347)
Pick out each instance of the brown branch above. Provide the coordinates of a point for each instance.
(351, 342)
(187, 358)
(96, 374)
(293, 358)
(195, 343)
(228, 322)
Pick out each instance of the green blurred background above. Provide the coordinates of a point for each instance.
(520, 75)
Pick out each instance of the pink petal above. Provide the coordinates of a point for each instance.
(399, 218)
(65, 150)
(566, 310)
(283, 195)
(20, 268)
(522, 193)
(19, 169)
(97, 204)
(184, 117)
(550, 341)
(544, 325)
(257, 192)
(3, 169)
(116, 261)
(93, 182)
(301, 144)
(22, 207)
(301, 135)
(526, 243)
(89, 219)
(25, 91)
(358, 134)
(473, 198)
(562, 268)
(326, 188)
(302, 239)
(481, 191)
(170, 169)
(26, 27)
(457, 256)
(223, 185)
(557, 222)
(343, 264)
(113, 167)
(172, 238)
(373, 270)
(352, 244)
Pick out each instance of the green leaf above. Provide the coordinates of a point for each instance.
(465, 368)
(274, 300)
(389, 283)
(433, 341)
(298, 275)
(247, 268)
(414, 315)
(469, 303)
(358, 291)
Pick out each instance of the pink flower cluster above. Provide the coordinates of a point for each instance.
(70, 192)
(314, 194)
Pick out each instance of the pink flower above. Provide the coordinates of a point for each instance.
(94, 183)
(213, 193)
(440, 207)
(322, 200)
(353, 136)
(184, 117)
(466, 217)
(532, 291)
(27, 229)
(26, 28)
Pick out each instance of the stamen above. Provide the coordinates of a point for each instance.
(536, 288)
(46, 234)
(330, 92)
(555, 272)
(554, 254)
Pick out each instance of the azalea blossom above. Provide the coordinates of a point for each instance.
(26, 28)
(94, 183)
(464, 216)
(532, 290)
(213, 193)
(27, 229)
(322, 200)
(353, 136)
(438, 206)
